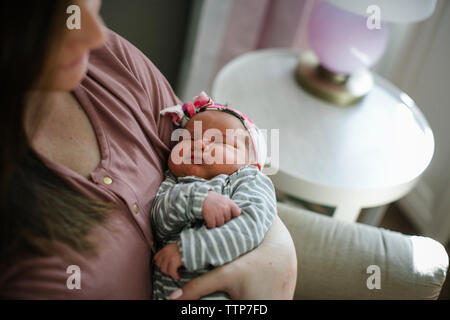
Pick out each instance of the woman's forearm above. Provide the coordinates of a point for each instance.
(267, 272)
(275, 262)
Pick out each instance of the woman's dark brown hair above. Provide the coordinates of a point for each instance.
(36, 208)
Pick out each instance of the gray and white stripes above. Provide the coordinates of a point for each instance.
(177, 217)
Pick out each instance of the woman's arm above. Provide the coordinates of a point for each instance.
(274, 261)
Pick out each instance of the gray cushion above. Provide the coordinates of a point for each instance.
(334, 256)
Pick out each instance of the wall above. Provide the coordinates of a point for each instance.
(157, 27)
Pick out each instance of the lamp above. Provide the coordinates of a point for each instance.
(344, 46)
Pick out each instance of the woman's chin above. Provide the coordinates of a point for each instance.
(70, 78)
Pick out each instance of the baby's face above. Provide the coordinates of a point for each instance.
(221, 146)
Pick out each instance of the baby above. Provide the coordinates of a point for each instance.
(215, 204)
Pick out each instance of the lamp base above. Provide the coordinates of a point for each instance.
(336, 88)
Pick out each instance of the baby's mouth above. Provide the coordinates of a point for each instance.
(197, 159)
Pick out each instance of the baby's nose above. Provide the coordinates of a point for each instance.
(199, 144)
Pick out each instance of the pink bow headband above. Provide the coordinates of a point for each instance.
(182, 114)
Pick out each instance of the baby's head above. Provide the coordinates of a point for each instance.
(215, 140)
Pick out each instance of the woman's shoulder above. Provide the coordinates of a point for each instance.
(120, 60)
(124, 51)
(118, 54)
(119, 70)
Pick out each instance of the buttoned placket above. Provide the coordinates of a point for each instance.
(125, 193)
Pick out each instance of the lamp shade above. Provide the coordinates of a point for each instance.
(399, 11)
(342, 41)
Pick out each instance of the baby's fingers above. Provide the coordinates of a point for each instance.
(220, 221)
(157, 259)
(210, 222)
(164, 266)
(235, 210)
(173, 271)
(227, 215)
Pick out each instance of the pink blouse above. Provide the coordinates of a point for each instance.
(122, 95)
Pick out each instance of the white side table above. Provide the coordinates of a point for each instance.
(361, 156)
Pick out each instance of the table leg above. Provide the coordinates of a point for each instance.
(373, 216)
(347, 212)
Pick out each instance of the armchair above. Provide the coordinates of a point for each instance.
(334, 256)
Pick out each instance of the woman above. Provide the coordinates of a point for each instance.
(83, 153)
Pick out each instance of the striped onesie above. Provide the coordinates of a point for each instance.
(177, 217)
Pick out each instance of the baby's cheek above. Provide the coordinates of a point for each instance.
(174, 168)
(233, 155)
(220, 154)
(176, 162)
(213, 154)
(184, 169)
(180, 150)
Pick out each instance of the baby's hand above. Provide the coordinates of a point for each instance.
(218, 209)
(168, 259)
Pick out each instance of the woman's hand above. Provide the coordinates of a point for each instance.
(267, 272)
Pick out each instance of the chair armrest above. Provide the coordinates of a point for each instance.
(333, 257)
